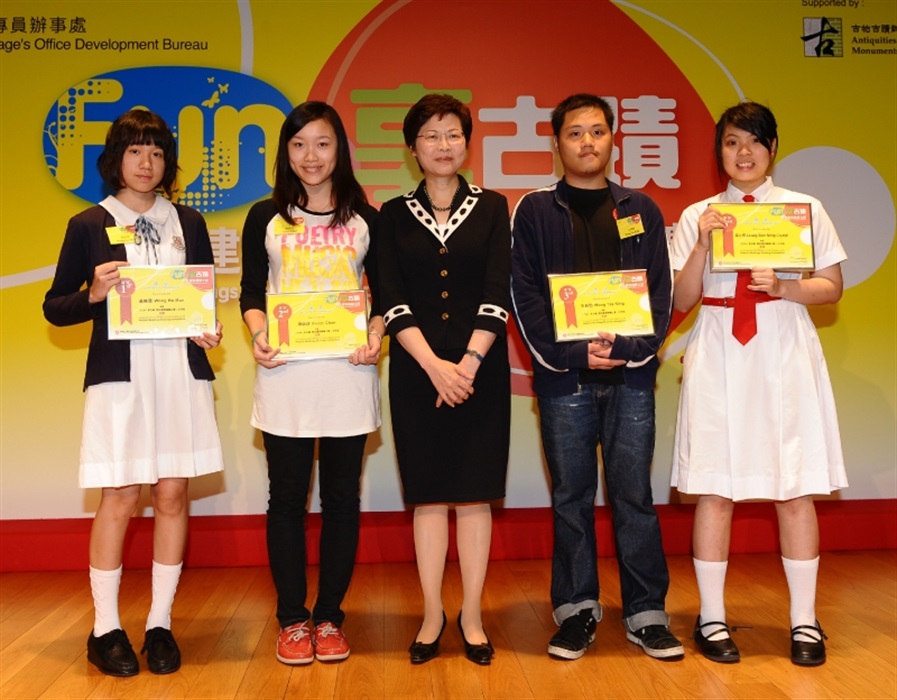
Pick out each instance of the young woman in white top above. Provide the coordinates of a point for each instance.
(317, 233)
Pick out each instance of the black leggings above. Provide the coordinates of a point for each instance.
(290, 466)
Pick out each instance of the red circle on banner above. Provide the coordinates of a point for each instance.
(663, 132)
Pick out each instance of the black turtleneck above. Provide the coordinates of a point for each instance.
(596, 248)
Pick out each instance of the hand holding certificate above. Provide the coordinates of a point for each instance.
(587, 303)
(305, 326)
(169, 301)
(779, 236)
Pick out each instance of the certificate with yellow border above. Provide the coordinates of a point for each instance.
(614, 302)
(776, 235)
(310, 325)
(166, 301)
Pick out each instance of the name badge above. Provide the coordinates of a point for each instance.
(630, 226)
(283, 228)
(120, 234)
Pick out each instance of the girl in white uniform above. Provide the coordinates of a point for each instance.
(757, 416)
(149, 415)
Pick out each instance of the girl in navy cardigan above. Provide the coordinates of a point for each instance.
(149, 412)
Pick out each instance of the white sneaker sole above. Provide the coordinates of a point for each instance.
(294, 662)
(568, 654)
(671, 653)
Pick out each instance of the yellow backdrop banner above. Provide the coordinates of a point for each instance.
(224, 75)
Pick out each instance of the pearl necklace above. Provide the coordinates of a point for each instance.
(449, 207)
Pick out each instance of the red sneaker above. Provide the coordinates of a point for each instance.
(294, 645)
(330, 643)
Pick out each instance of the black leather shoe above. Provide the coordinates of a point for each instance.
(478, 653)
(421, 652)
(722, 651)
(162, 653)
(112, 653)
(808, 653)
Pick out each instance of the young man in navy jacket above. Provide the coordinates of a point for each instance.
(597, 391)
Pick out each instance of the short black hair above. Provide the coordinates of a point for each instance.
(581, 100)
(435, 105)
(752, 117)
(138, 127)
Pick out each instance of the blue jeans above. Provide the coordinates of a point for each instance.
(290, 463)
(621, 419)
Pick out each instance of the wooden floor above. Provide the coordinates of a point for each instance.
(224, 622)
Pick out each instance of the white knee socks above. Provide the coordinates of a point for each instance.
(801, 576)
(711, 577)
(165, 583)
(104, 587)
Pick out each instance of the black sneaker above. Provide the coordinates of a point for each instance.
(574, 636)
(658, 642)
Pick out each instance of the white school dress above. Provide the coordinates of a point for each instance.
(161, 424)
(756, 421)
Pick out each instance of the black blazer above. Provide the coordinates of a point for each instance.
(446, 283)
(85, 246)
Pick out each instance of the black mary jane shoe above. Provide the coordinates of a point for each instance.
(112, 653)
(421, 652)
(480, 654)
(808, 653)
(162, 653)
(722, 651)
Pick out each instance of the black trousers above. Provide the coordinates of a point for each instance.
(290, 467)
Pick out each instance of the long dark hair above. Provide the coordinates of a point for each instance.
(348, 195)
(138, 127)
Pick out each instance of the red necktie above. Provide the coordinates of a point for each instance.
(744, 315)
